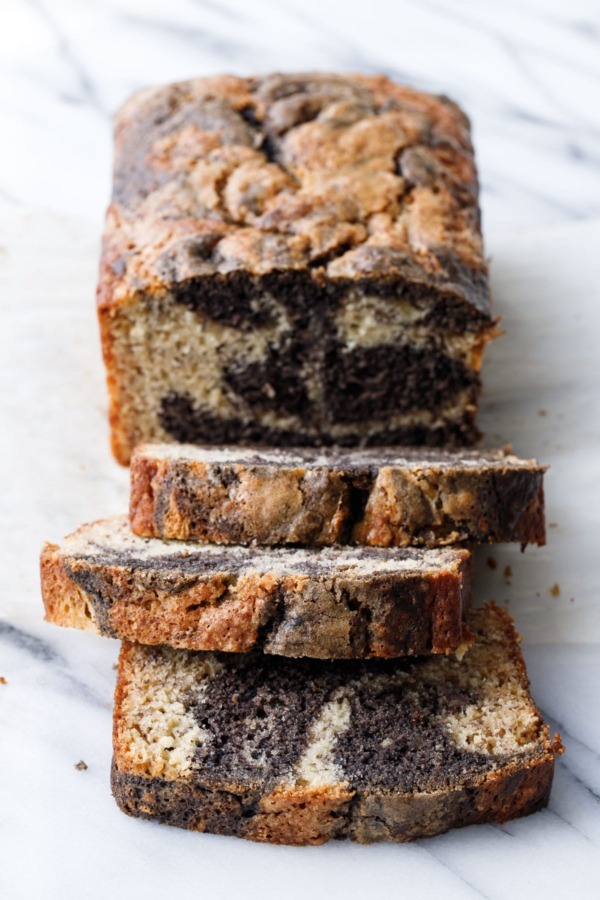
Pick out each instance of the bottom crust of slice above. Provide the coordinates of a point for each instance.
(305, 815)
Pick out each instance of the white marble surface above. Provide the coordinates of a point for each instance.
(528, 73)
(61, 835)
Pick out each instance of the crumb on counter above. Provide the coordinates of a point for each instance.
(3, 680)
(81, 766)
(492, 563)
(555, 589)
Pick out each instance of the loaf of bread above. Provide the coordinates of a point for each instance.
(329, 603)
(380, 497)
(301, 751)
(293, 260)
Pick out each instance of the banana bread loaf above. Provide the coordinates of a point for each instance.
(386, 497)
(344, 603)
(301, 751)
(293, 260)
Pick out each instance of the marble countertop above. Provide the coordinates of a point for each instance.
(528, 73)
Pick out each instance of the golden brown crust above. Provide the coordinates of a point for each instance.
(362, 166)
(142, 498)
(300, 815)
(205, 616)
(423, 503)
(65, 603)
(453, 506)
(120, 434)
(258, 505)
(331, 613)
(122, 688)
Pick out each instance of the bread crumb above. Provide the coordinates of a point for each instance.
(3, 680)
(542, 412)
(552, 524)
(555, 589)
(81, 766)
(492, 563)
(507, 573)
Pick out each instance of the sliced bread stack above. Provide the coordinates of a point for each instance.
(403, 713)
(296, 261)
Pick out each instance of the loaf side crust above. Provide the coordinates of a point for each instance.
(303, 817)
(388, 497)
(174, 594)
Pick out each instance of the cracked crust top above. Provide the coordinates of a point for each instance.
(344, 177)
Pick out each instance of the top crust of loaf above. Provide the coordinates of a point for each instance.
(345, 178)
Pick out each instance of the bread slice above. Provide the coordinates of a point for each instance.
(330, 603)
(384, 497)
(298, 752)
